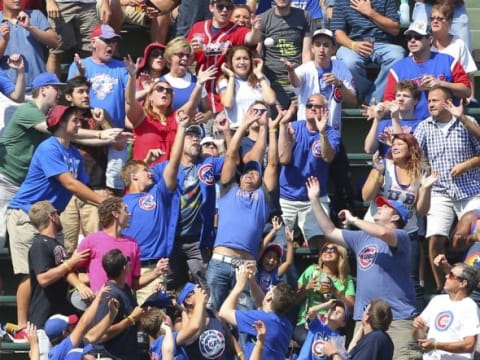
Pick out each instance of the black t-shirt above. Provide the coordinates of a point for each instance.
(47, 253)
(124, 345)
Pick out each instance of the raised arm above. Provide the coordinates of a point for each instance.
(197, 321)
(329, 229)
(286, 136)
(231, 156)
(255, 35)
(424, 193)
(47, 37)
(227, 96)
(376, 112)
(171, 170)
(328, 152)
(267, 92)
(375, 179)
(133, 108)
(15, 61)
(270, 177)
(190, 107)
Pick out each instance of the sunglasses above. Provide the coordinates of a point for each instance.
(259, 111)
(221, 7)
(157, 54)
(110, 41)
(182, 55)
(160, 89)
(330, 249)
(452, 276)
(437, 18)
(414, 36)
(209, 144)
(314, 106)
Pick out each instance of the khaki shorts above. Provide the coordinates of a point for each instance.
(143, 293)
(74, 26)
(21, 233)
(130, 14)
(300, 213)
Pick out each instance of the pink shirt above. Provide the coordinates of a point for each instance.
(100, 243)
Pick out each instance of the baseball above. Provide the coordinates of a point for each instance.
(269, 42)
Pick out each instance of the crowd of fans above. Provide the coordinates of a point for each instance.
(153, 206)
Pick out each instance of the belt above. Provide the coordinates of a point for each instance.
(223, 258)
(149, 262)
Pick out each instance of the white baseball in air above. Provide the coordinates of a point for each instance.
(269, 42)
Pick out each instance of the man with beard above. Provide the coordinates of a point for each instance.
(50, 267)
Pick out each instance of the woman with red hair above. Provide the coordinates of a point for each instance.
(402, 177)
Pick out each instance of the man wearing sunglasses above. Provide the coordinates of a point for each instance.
(382, 251)
(427, 69)
(306, 147)
(448, 328)
(211, 40)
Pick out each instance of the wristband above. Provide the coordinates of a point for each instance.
(131, 319)
(272, 131)
(352, 46)
(67, 266)
(435, 345)
(240, 354)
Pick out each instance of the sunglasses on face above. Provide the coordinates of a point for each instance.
(314, 106)
(259, 111)
(210, 144)
(452, 276)
(160, 89)
(330, 249)
(221, 7)
(414, 36)
(110, 41)
(157, 54)
(437, 18)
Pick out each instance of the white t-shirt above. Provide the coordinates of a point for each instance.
(450, 321)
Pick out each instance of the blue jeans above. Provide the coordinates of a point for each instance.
(460, 25)
(384, 55)
(220, 279)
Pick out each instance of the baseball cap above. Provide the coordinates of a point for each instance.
(345, 307)
(46, 79)
(55, 115)
(398, 206)
(275, 247)
(324, 32)
(195, 129)
(57, 324)
(104, 31)
(187, 289)
(208, 140)
(419, 27)
(160, 299)
(252, 165)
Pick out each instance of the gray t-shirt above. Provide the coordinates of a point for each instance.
(190, 221)
(288, 33)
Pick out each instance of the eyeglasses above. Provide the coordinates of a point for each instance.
(314, 106)
(414, 36)
(259, 111)
(330, 249)
(224, 6)
(160, 89)
(182, 55)
(452, 276)
(157, 54)
(437, 18)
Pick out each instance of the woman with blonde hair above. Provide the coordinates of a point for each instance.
(154, 123)
(243, 83)
(328, 279)
(402, 177)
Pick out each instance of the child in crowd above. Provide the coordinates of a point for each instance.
(324, 328)
(270, 267)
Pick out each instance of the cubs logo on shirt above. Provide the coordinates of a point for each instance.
(443, 320)
(147, 202)
(317, 348)
(367, 256)
(317, 148)
(205, 174)
(211, 344)
(337, 95)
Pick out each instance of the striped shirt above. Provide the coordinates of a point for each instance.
(358, 26)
